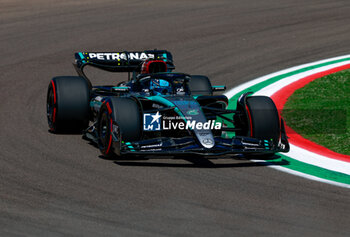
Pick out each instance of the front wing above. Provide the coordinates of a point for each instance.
(189, 145)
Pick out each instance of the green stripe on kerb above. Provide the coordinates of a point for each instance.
(259, 86)
(290, 163)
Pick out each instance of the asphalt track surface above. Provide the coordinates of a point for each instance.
(54, 185)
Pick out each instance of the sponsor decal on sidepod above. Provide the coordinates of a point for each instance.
(152, 122)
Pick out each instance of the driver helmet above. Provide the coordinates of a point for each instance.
(160, 86)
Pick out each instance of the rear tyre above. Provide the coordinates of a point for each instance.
(68, 100)
(264, 121)
(120, 118)
(200, 85)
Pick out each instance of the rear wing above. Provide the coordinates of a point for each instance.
(120, 61)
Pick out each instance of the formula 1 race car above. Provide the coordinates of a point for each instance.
(159, 112)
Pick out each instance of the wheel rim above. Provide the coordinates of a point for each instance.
(104, 131)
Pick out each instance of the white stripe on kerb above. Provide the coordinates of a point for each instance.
(307, 176)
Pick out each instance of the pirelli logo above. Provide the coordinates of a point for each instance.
(119, 56)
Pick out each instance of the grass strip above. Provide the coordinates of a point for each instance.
(319, 111)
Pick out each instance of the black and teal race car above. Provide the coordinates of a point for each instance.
(160, 112)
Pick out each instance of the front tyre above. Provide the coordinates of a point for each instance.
(119, 120)
(264, 121)
(264, 118)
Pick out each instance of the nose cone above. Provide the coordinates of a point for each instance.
(191, 109)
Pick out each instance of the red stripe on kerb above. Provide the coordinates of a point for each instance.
(303, 143)
(250, 121)
(54, 92)
(280, 98)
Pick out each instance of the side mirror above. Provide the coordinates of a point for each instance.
(218, 88)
